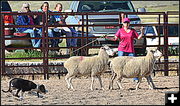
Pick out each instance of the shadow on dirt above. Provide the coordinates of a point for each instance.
(161, 88)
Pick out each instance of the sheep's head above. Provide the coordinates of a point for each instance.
(108, 50)
(157, 54)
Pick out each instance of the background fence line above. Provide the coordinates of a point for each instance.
(45, 47)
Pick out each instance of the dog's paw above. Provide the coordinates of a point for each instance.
(40, 96)
(16, 95)
(21, 98)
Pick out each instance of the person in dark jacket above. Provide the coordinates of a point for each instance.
(51, 21)
(28, 20)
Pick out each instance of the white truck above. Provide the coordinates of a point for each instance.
(173, 35)
(106, 6)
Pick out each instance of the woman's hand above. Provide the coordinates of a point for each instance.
(105, 36)
(142, 32)
(142, 29)
(34, 28)
(122, 17)
(110, 38)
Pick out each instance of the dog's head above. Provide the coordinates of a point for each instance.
(42, 89)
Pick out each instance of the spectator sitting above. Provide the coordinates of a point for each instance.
(51, 21)
(69, 31)
(28, 20)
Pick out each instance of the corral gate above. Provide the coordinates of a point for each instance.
(162, 18)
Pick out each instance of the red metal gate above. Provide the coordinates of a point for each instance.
(45, 48)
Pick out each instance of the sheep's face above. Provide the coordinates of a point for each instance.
(157, 54)
(108, 50)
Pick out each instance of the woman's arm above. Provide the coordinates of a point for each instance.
(142, 33)
(111, 38)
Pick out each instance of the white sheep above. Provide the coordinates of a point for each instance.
(82, 66)
(131, 67)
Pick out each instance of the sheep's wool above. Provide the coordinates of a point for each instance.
(131, 67)
(92, 66)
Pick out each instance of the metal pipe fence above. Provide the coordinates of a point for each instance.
(84, 39)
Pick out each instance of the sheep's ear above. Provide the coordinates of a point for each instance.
(152, 51)
(147, 48)
(105, 46)
(151, 48)
(102, 48)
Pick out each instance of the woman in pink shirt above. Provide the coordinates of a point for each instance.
(126, 36)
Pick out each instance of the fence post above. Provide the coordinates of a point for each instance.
(46, 49)
(2, 51)
(1, 46)
(87, 39)
(165, 45)
(44, 44)
(82, 39)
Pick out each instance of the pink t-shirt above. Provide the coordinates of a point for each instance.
(126, 43)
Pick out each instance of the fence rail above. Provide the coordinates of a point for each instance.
(45, 47)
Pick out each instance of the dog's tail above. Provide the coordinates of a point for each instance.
(9, 90)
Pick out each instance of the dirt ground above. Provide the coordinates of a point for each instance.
(59, 95)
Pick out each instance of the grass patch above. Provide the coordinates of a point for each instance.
(154, 18)
(21, 54)
(29, 54)
(163, 9)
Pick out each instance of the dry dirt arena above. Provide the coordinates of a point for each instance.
(59, 95)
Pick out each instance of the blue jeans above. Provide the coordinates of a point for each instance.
(121, 53)
(74, 34)
(70, 32)
(38, 33)
(71, 42)
(34, 34)
(54, 42)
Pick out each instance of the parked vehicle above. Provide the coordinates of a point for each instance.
(106, 6)
(173, 35)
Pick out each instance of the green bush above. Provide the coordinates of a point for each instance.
(22, 54)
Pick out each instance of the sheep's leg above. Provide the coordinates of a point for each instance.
(153, 86)
(150, 87)
(70, 82)
(111, 81)
(67, 83)
(67, 80)
(148, 80)
(137, 86)
(92, 82)
(100, 82)
(119, 82)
